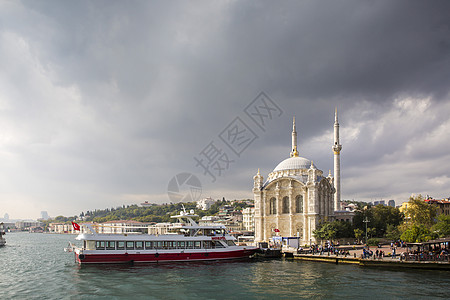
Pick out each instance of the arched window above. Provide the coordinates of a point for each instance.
(285, 205)
(299, 204)
(273, 206)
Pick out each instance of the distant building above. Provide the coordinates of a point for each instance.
(248, 218)
(44, 215)
(121, 226)
(61, 228)
(147, 204)
(380, 202)
(391, 203)
(205, 204)
(403, 207)
(208, 220)
(442, 206)
(25, 225)
(6, 217)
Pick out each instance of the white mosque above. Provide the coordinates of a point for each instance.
(296, 196)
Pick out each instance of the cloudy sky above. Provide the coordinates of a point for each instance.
(102, 103)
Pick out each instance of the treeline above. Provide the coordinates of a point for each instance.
(154, 213)
(385, 222)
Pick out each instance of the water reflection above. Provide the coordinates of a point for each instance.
(35, 266)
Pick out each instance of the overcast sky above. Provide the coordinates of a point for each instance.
(102, 103)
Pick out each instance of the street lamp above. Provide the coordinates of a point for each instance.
(366, 221)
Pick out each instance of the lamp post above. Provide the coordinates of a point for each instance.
(366, 221)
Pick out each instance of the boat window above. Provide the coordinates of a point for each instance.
(218, 244)
(171, 245)
(207, 245)
(139, 245)
(180, 245)
(148, 245)
(190, 245)
(130, 245)
(159, 245)
(90, 245)
(100, 245)
(198, 244)
(231, 243)
(110, 245)
(120, 245)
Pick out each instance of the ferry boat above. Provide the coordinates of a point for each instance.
(183, 241)
(2, 233)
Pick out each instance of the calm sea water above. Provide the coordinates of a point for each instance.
(34, 266)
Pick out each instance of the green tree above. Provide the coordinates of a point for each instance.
(393, 233)
(325, 231)
(419, 212)
(333, 230)
(383, 216)
(442, 227)
(417, 233)
(358, 233)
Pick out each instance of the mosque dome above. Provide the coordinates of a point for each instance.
(293, 163)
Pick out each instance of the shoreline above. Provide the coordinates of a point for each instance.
(385, 263)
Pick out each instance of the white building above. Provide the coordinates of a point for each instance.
(205, 204)
(120, 226)
(296, 195)
(248, 219)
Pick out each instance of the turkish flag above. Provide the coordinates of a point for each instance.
(276, 230)
(75, 226)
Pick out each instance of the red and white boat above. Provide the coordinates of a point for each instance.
(183, 241)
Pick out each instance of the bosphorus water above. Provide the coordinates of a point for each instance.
(34, 266)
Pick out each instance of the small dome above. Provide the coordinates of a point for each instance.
(293, 163)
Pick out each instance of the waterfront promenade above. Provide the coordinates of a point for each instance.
(356, 256)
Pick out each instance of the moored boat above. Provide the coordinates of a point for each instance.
(183, 241)
(2, 233)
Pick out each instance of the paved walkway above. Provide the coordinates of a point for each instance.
(386, 248)
(357, 253)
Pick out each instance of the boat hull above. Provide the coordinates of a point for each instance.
(100, 258)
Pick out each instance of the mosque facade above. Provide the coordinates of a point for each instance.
(296, 196)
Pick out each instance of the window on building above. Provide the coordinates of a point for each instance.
(285, 205)
(272, 206)
(299, 204)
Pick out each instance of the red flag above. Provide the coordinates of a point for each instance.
(75, 226)
(276, 230)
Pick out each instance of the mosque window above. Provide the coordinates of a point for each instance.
(285, 205)
(273, 206)
(299, 204)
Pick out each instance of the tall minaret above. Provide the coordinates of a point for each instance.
(337, 162)
(294, 152)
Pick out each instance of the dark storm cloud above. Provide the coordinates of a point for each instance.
(120, 96)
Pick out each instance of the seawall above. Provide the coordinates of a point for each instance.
(381, 263)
